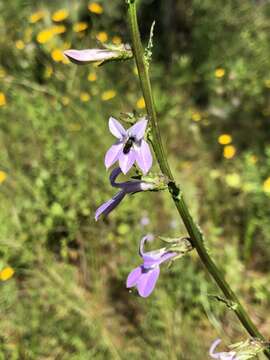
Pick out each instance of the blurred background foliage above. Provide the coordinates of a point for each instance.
(62, 275)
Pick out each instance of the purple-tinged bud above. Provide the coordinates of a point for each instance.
(110, 53)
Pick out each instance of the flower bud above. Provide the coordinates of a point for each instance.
(109, 53)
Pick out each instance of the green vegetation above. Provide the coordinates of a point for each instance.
(211, 75)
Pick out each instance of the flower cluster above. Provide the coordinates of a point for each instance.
(130, 149)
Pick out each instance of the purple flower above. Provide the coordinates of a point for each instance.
(126, 187)
(145, 276)
(230, 355)
(130, 147)
(87, 56)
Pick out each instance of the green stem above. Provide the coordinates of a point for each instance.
(193, 230)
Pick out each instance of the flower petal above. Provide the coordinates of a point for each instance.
(87, 56)
(143, 156)
(116, 128)
(112, 154)
(109, 205)
(127, 160)
(146, 283)
(212, 349)
(133, 277)
(138, 129)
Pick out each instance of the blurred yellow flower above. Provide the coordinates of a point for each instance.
(3, 99)
(116, 40)
(267, 83)
(102, 36)
(57, 55)
(224, 139)
(59, 29)
(266, 185)
(60, 15)
(196, 116)
(229, 151)
(233, 180)
(140, 103)
(3, 176)
(48, 71)
(84, 96)
(65, 100)
(20, 44)
(80, 26)
(95, 8)
(92, 76)
(47, 34)
(108, 95)
(44, 36)
(6, 273)
(219, 73)
(36, 16)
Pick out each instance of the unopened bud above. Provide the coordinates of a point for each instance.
(109, 53)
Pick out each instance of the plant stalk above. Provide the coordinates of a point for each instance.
(176, 194)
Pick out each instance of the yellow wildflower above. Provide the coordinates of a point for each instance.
(267, 83)
(116, 40)
(266, 186)
(229, 151)
(3, 176)
(224, 139)
(80, 26)
(140, 103)
(3, 100)
(57, 55)
(20, 44)
(196, 116)
(95, 8)
(102, 36)
(45, 35)
(233, 180)
(36, 16)
(84, 96)
(219, 73)
(6, 273)
(60, 15)
(59, 29)
(108, 95)
(92, 76)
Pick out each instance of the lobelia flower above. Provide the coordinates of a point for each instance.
(130, 147)
(229, 355)
(126, 187)
(145, 276)
(109, 53)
